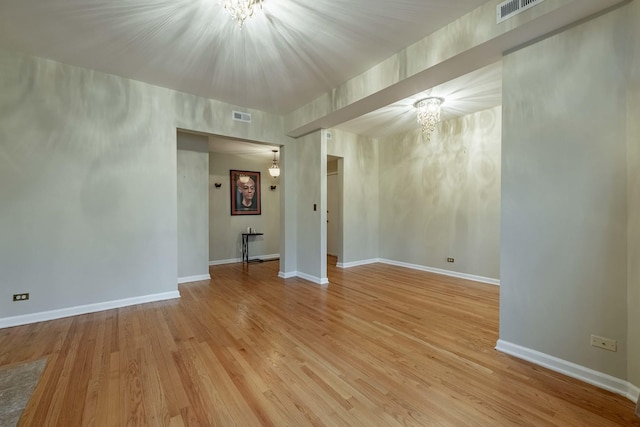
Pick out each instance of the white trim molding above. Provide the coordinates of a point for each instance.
(310, 278)
(596, 378)
(43, 316)
(268, 257)
(225, 261)
(314, 279)
(633, 393)
(487, 280)
(288, 275)
(194, 278)
(357, 263)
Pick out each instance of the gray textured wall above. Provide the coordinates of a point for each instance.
(564, 201)
(441, 198)
(633, 188)
(193, 205)
(88, 187)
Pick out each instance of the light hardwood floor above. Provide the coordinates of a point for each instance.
(380, 346)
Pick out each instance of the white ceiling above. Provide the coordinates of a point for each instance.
(473, 92)
(238, 147)
(284, 57)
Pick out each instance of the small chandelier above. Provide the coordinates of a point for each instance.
(240, 10)
(274, 170)
(428, 114)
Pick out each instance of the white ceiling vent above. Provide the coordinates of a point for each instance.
(509, 8)
(242, 117)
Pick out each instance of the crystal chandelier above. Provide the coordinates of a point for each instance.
(428, 114)
(274, 170)
(240, 10)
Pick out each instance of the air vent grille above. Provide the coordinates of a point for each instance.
(509, 8)
(241, 117)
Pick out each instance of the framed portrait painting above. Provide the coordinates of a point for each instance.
(245, 192)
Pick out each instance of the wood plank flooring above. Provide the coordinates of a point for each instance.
(380, 346)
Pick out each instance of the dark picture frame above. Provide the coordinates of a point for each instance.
(241, 192)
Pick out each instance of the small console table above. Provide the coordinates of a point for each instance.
(245, 247)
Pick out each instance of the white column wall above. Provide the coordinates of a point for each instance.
(312, 207)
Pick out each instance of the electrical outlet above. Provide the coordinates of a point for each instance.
(21, 297)
(449, 259)
(606, 343)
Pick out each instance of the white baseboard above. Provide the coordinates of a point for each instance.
(487, 280)
(357, 263)
(450, 273)
(43, 316)
(225, 261)
(598, 379)
(633, 393)
(287, 275)
(314, 279)
(267, 257)
(194, 278)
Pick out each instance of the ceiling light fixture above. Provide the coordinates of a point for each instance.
(240, 10)
(428, 114)
(274, 170)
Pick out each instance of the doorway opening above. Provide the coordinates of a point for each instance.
(208, 232)
(334, 209)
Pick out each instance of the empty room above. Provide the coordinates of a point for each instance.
(349, 213)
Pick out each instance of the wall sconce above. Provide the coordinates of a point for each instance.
(273, 187)
(218, 184)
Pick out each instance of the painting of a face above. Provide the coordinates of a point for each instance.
(245, 193)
